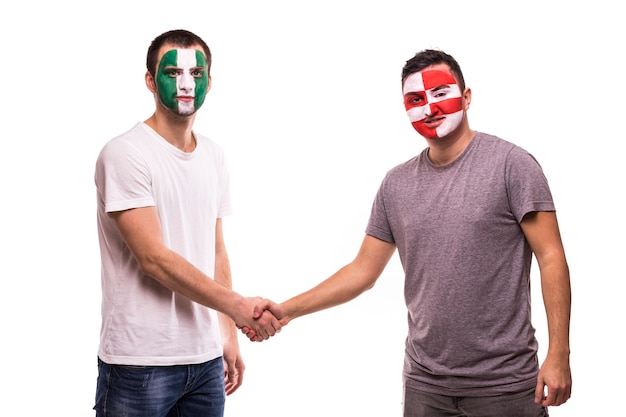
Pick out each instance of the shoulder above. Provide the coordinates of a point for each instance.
(409, 165)
(124, 148)
(404, 174)
(517, 163)
(493, 143)
(125, 141)
(497, 149)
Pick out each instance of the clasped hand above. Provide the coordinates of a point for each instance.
(268, 318)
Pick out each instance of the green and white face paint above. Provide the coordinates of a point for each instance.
(182, 80)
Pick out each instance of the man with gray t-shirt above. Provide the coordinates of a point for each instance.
(466, 216)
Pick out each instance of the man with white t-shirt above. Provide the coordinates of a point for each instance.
(168, 343)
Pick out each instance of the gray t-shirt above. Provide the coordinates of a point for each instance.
(467, 266)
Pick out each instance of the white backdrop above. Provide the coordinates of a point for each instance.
(306, 102)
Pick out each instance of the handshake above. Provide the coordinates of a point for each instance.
(268, 318)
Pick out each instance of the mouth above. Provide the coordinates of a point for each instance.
(185, 98)
(434, 122)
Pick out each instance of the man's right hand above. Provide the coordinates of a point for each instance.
(264, 312)
(261, 324)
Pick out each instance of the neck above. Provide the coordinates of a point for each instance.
(444, 151)
(175, 129)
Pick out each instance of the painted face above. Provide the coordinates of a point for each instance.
(433, 102)
(182, 80)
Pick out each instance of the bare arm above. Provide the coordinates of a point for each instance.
(343, 286)
(141, 230)
(542, 233)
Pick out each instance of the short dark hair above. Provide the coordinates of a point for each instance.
(176, 37)
(429, 57)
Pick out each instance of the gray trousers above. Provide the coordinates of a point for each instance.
(423, 404)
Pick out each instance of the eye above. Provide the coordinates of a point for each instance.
(413, 99)
(197, 73)
(440, 92)
(172, 72)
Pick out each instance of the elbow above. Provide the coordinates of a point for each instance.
(148, 268)
(366, 281)
(369, 286)
(149, 264)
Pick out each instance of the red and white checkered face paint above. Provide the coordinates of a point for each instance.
(433, 102)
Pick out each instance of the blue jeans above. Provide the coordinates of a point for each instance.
(161, 391)
(422, 404)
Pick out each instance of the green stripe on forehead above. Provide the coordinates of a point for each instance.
(200, 59)
(185, 56)
(168, 59)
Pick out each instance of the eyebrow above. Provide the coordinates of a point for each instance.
(168, 67)
(435, 89)
(441, 87)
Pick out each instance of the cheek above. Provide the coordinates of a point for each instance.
(166, 88)
(166, 85)
(416, 113)
(202, 87)
(427, 132)
(452, 122)
(450, 106)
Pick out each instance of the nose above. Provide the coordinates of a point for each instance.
(429, 110)
(186, 83)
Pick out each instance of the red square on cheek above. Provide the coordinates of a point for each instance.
(450, 106)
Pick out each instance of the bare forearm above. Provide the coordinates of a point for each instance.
(141, 231)
(555, 284)
(346, 284)
(542, 232)
(340, 288)
(555, 376)
(178, 275)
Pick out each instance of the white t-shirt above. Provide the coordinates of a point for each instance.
(144, 323)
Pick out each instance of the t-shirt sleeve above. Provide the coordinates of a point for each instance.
(378, 224)
(527, 185)
(122, 178)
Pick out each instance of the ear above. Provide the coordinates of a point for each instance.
(150, 83)
(208, 87)
(467, 98)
